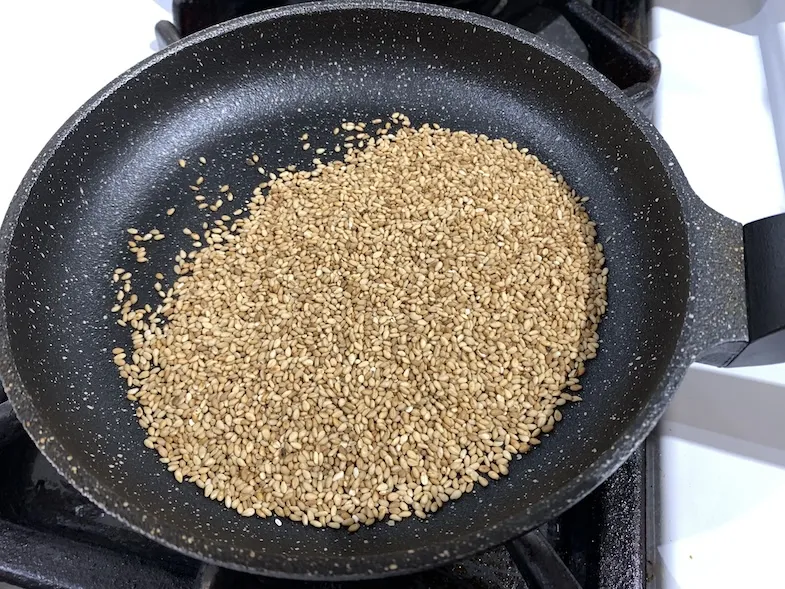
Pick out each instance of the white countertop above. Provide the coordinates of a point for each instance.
(723, 468)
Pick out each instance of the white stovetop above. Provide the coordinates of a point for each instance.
(721, 106)
(722, 478)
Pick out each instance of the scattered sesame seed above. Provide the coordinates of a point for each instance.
(252, 269)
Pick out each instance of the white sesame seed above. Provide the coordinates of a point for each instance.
(441, 287)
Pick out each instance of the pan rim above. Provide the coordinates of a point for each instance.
(366, 566)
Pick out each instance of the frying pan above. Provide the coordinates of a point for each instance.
(255, 84)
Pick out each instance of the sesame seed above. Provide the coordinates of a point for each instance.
(374, 338)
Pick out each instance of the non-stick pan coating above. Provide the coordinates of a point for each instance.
(255, 85)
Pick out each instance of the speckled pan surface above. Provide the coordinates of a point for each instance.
(256, 84)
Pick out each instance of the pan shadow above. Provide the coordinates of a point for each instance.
(730, 412)
(723, 13)
(165, 4)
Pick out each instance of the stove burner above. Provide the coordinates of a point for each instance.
(51, 536)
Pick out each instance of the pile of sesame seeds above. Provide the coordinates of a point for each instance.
(380, 334)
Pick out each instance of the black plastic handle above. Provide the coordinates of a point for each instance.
(540, 566)
(764, 265)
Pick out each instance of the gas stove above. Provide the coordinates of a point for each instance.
(51, 536)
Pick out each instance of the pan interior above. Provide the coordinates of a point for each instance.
(257, 89)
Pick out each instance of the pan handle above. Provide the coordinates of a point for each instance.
(764, 267)
(738, 303)
(539, 564)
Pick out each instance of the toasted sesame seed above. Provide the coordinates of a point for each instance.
(458, 348)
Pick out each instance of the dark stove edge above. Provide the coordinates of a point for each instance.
(32, 558)
(621, 501)
(652, 522)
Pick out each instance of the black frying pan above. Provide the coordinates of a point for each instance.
(255, 84)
